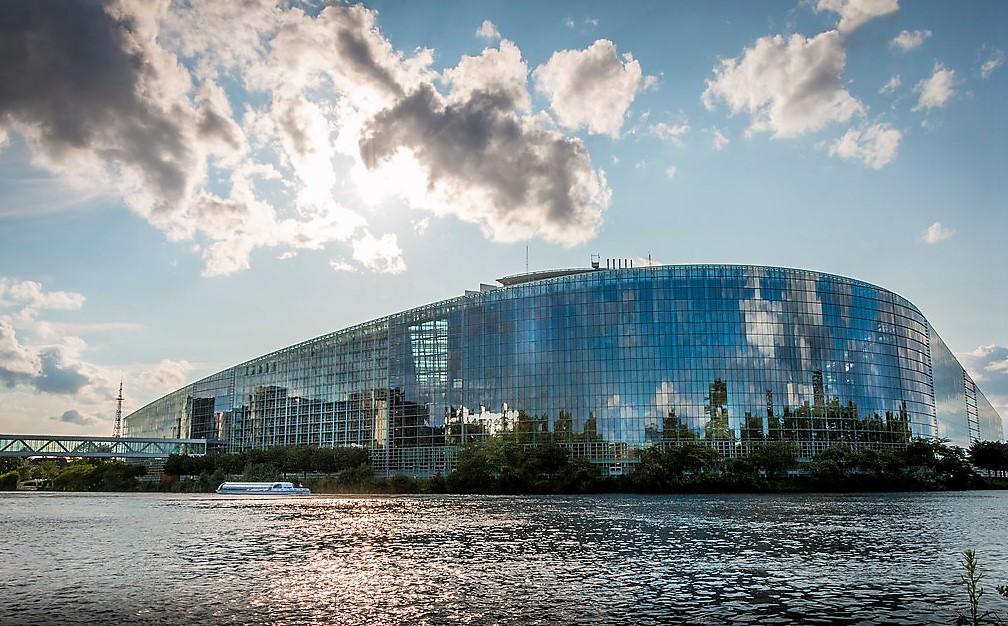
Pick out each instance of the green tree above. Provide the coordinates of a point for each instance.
(77, 477)
(700, 458)
(10, 463)
(774, 458)
(266, 472)
(882, 465)
(44, 469)
(832, 465)
(990, 456)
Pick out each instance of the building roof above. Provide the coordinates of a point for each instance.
(527, 277)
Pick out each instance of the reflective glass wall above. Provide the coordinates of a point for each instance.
(950, 383)
(606, 362)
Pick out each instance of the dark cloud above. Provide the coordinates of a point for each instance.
(73, 416)
(57, 377)
(532, 177)
(44, 369)
(10, 379)
(356, 50)
(293, 127)
(214, 121)
(54, 377)
(74, 77)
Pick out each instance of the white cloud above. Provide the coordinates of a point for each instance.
(908, 40)
(789, 86)
(152, 122)
(719, 140)
(591, 88)
(221, 36)
(379, 254)
(478, 153)
(48, 369)
(488, 30)
(164, 376)
(16, 360)
(936, 90)
(988, 367)
(670, 132)
(43, 365)
(671, 170)
(478, 160)
(855, 13)
(891, 85)
(137, 129)
(986, 362)
(29, 294)
(496, 70)
(51, 331)
(936, 232)
(420, 226)
(995, 61)
(338, 265)
(875, 145)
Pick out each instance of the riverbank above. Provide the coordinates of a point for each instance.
(502, 466)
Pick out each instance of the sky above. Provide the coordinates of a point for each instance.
(187, 185)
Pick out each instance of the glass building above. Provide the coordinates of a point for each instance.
(605, 360)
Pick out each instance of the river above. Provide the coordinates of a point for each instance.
(766, 559)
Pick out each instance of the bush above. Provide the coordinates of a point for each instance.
(8, 481)
(403, 484)
(774, 458)
(10, 463)
(77, 477)
(260, 472)
(283, 460)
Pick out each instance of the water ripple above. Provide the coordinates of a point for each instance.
(790, 559)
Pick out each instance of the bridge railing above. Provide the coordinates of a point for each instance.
(99, 447)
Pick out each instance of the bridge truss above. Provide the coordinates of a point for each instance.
(54, 446)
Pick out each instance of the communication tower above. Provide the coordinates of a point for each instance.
(118, 416)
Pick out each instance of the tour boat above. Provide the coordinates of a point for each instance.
(262, 489)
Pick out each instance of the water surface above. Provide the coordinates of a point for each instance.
(801, 559)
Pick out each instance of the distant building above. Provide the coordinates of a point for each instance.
(605, 361)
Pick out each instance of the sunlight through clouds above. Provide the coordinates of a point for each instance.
(335, 103)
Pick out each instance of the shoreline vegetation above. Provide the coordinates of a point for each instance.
(971, 578)
(501, 465)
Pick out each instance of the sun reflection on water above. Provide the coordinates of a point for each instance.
(494, 560)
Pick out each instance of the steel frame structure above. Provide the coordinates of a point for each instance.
(54, 446)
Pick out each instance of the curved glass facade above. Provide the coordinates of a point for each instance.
(605, 361)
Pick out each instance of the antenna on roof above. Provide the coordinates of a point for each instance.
(526, 259)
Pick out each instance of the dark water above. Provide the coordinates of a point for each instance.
(806, 559)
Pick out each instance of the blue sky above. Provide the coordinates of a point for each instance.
(184, 186)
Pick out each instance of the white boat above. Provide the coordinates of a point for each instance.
(262, 489)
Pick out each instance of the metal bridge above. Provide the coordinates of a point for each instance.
(99, 447)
